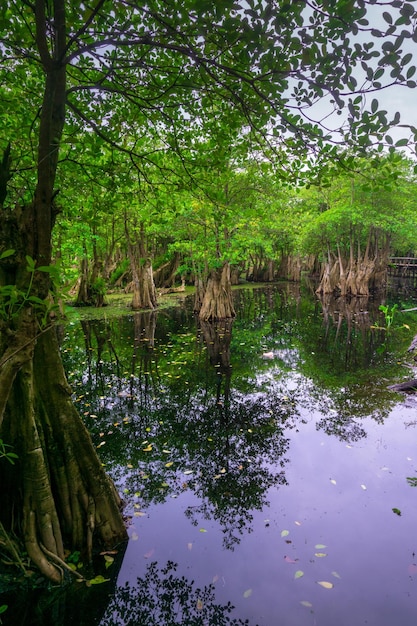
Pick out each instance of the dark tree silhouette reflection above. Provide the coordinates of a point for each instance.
(162, 598)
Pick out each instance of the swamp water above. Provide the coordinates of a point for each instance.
(265, 465)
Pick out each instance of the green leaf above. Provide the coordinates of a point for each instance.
(285, 533)
(298, 574)
(98, 580)
(4, 255)
(396, 511)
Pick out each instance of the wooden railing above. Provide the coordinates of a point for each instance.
(403, 261)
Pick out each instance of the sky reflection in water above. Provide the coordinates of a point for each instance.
(269, 476)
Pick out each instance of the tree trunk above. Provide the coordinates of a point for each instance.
(144, 292)
(58, 493)
(218, 301)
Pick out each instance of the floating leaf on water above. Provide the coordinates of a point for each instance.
(288, 559)
(148, 448)
(336, 575)
(412, 568)
(285, 533)
(164, 485)
(320, 554)
(363, 487)
(202, 530)
(139, 514)
(298, 574)
(166, 451)
(325, 584)
(129, 466)
(396, 511)
(222, 471)
(306, 603)
(320, 546)
(190, 545)
(134, 536)
(332, 480)
(187, 472)
(297, 523)
(169, 464)
(148, 554)
(215, 578)
(247, 593)
(199, 605)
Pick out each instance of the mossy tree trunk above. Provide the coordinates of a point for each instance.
(57, 494)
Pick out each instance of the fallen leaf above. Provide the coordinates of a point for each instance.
(412, 569)
(297, 523)
(190, 546)
(285, 533)
(215, 578)
(298, 574)
(199, 605)
(188, 472)
(134, 536)
(247, 593)
(336, 575)
(169, 464)
(325, 584)
(288, 559)
(306, 603)
(363, 487)
(203, 530)
(148, 448)
(148, 554)
(332, 480)
(320, 554)
(396, 511)
(320, 546)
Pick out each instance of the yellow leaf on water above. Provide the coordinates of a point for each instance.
(320, 554)
(285, 533)
(299, 574)
(148, 448)
(169, 464)
(325, 584)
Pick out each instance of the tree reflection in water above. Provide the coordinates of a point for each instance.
(162, 598)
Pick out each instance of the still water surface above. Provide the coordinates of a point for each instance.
(265, 463)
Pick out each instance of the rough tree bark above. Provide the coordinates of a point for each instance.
(217, 302)
(58, 491)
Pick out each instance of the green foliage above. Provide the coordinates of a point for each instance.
(6, 453)
(388, 312)
(99, 287)
(12, 299)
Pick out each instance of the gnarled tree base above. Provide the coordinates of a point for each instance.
(57, 494)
